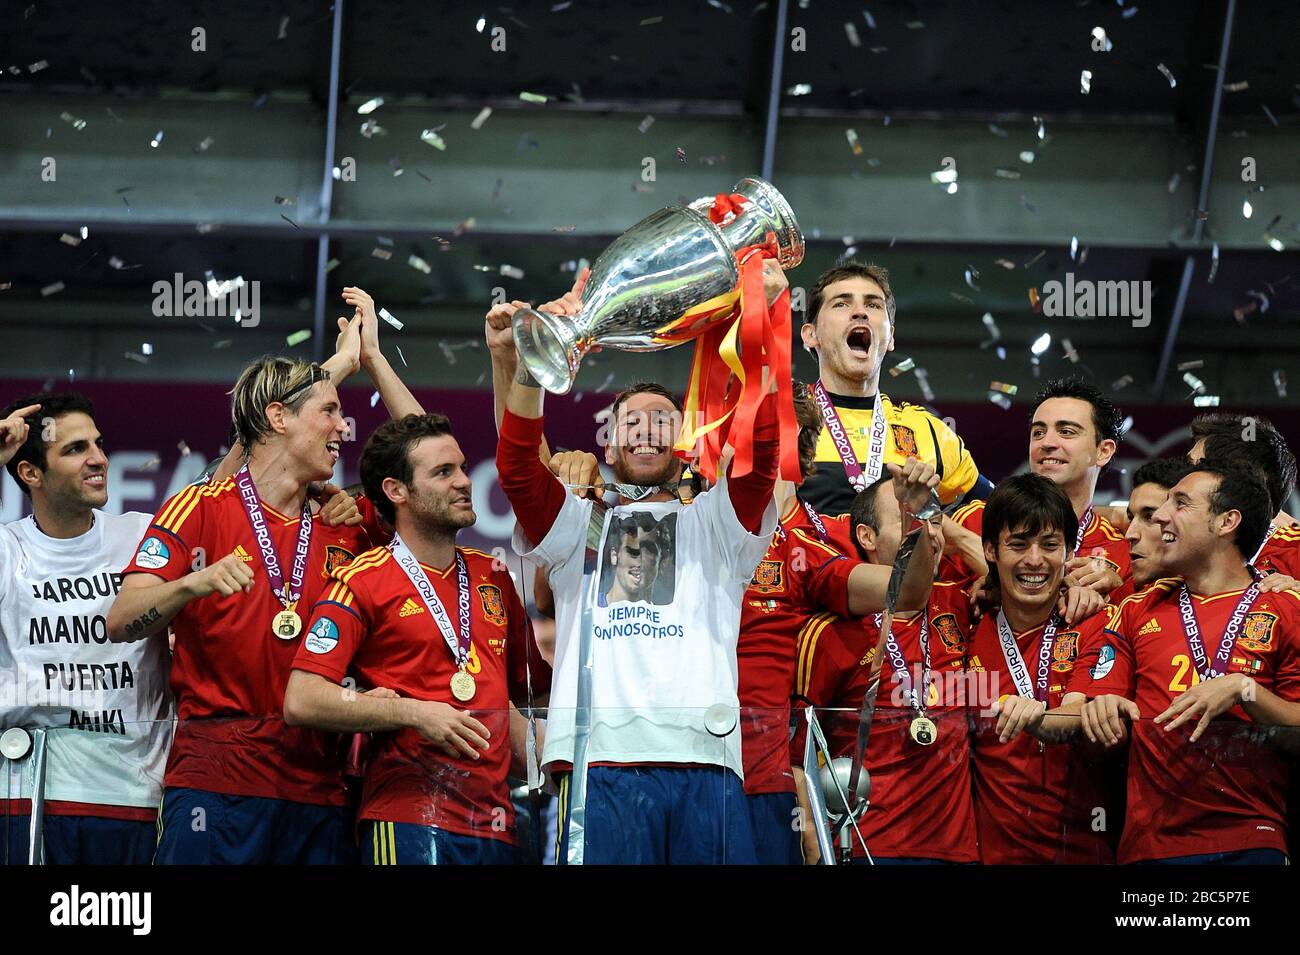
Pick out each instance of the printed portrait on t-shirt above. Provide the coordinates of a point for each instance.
(638, 559)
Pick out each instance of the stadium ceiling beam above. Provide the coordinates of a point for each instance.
(1202, 203)
(327, 182)
(773, 119)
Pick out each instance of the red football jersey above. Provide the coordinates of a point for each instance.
(797, 577)
(920, 795)
(1227, 791)
(229, 670)
(1034, 803)
(373, 624)
(1281, 553)
(1100, 538)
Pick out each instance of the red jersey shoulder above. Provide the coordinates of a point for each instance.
(1272, 619)
(1142, 605)
(491, 584)
(179, 511)
(970, 516)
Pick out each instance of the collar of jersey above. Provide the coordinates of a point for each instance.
(853, 401)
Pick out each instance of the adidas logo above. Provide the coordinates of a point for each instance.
(243, 554)
(410, 608)
(1151, 626)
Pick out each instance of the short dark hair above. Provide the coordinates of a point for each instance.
(1227, 422)
(1242, 489)
(1029, 504)
(1165, 472)
(1107, 420)
(852, 269)
(1267, 453)
(809, 417)
(863, 509)
(643, 388)
(387, 454)
(35, 449)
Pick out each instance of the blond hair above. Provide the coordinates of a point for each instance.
(266, 381)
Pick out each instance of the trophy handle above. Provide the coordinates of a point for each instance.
(549, 347)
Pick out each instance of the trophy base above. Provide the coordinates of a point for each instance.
(548, 350)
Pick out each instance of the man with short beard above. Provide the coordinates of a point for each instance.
(1073, 434)
(435, 788)
(633, 561)
(1198, 656)
(849, 327)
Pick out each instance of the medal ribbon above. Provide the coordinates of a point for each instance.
(1016, 662)
(1192, 631)
(1083, 527)
(816, 520)
(899, 664)
(859, 478)
(1271, 527)
(458, 643)
(287, 595)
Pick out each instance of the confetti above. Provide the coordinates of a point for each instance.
(136, 357)
(1002, 401)
(645, 123)
(401, 356)
(1042, 128)
(1261, 298)
(1214, 262)
(223, 343)
(642, 187)
(1269, 113)
(447, 352)
(387, 316)
(77, 123)
(972, 274)
(433, 139)
(1005, 263)
(943, 176)
(1085, 82)
(383, 254)
(958, 297)
(6, 286)
(1168, 75)
(481, 118)
(1002, 387)
(537, 97)
(1029, 206)
(298, 337)
(992, 326)
(1275, 243)
(288, 220)
(1041, 344)
(1247, 210)
(852, 136)
(1206, 401)
(183, 448)
(146, 349)
(799, 89)
(157, 138)
(1241, 311)
(1041, 253)
(38, 66)
(564, 228)
(370, 105)
(681, 155)
(282, 201)
(71, 240)
(1194, 383)
(651, 21)
(1191, 365)
(1279, 382)
(852, 32)
(915, 24)
(923, 379)
(371, 128)
(871, 21)
(1027, 156)
(1173, 182)
(1004, 173)
(52, 289)
(1070, 353)
(1121, 383)
(1231, 87)
(374, 399)
(464, 227)
(331, 265)
(557, 7)
(1034, 300)
(997, 130)
(284, 29)
(512, 272)
(150, 465)
(903, 367)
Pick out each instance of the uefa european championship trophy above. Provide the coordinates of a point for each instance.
(664, 281)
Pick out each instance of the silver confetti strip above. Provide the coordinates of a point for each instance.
(1191, 365)
(1279, 382)
(645, 124)
(1206, 401)
(419, 264)
(923, 379)
(1194, 383)
(481, 118)
(1168, 75)
(370, 105)
(904, 366)
(433, 139)
(1122, 383)
(387, 316)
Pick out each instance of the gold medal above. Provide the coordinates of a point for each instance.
(923, 730)
(462, 686)
(287, 624)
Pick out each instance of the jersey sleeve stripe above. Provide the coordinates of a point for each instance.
(808, 648)
(813, 542)
(966, 511)
(175, 505)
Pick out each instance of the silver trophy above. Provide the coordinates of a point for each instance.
(647, 280)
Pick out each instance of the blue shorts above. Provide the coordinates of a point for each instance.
(81, 840)
(653, 815)
(1242, 857)
(772, 821)
(204, 828)
(404, 843)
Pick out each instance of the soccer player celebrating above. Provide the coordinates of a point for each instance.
(435, 789)
(108, 705)
(1254, 442)
(1034, 804)
(849, 326)
(232, 566)
(1073, 435)
(660, 788)
(1188, 652)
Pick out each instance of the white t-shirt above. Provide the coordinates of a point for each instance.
(664, 628)
(108, 704)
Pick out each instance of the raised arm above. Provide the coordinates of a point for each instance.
(392, 390)
(535, 494)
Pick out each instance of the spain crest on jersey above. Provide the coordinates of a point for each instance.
(1065, 650)
(945, 625)
(336, 557)
(769, 577)
(905, 440)
(1257, 632)
(494, 608)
